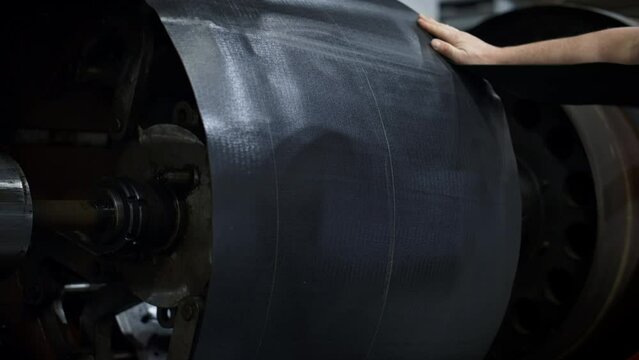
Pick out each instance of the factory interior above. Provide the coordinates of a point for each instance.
(315, 179)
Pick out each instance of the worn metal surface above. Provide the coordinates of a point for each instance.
(610, 139)
(366, 200)
(16, 214)
(185, 328)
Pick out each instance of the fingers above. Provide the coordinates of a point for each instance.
(448, 50)
(437, 29)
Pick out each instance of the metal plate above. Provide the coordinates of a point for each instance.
(165, 280)
(366, 197)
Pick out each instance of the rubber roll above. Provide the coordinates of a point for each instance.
(366, 200)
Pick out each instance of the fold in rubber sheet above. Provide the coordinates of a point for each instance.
(366, 200)
(600, 83)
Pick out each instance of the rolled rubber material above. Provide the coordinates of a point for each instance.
(365, 193)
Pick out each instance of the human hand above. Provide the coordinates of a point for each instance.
(459, 46)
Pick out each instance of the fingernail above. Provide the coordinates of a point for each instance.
(435, 43)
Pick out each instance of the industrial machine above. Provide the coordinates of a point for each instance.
(302, 179)
(576, 282)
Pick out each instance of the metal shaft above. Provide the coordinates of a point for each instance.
(65, 214)
(15, 214)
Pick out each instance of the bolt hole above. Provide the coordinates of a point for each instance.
(580, 241)
(166, 317)
(579, 188)
(526, 316)
(184, 115)
(560, 141)
(560, 289)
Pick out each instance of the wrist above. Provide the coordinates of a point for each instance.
(496, 56)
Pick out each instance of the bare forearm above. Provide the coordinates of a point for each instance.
(619, 45)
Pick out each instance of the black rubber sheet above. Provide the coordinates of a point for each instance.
(366, 200)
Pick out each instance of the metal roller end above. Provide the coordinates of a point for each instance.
(16, 215)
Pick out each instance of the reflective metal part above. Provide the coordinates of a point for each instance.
(72, 115)
(138, 217)
(16, 214)
(140, 325)
(82, 287)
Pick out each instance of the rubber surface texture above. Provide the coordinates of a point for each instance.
(366, 200)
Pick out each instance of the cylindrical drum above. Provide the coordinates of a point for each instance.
(366, 199)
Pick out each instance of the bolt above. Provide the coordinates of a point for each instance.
(188, 311)
(183, 114)
(185, 180)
